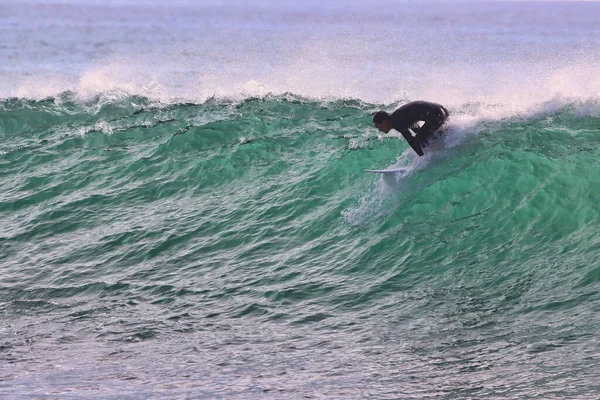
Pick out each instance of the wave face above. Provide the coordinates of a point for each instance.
(172, 227)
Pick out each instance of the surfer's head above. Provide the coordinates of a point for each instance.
(382, 121)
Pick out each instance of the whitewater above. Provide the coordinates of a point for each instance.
(184, 211)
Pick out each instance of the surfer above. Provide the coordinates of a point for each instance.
(407, 118)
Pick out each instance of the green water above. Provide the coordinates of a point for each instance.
(238, 249)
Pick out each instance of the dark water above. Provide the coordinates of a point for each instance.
(173, 228)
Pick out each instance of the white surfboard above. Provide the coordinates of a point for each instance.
(387, 171)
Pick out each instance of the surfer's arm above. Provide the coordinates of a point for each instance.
(412, 141)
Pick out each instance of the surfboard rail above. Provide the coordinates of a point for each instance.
(387, 171)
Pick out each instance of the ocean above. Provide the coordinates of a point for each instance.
(184, 211)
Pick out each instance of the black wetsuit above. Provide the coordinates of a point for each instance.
(434, 116)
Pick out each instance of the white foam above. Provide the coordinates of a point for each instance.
(374, 203)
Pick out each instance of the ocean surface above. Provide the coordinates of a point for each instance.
(184, 211)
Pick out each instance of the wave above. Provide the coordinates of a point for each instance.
(117, 111)
(258, 212)
(224, 142)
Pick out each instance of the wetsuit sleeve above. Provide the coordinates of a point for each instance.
(412, 141)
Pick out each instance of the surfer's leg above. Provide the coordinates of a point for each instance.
(429, 130)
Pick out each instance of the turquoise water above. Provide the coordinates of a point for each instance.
(156, 243)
